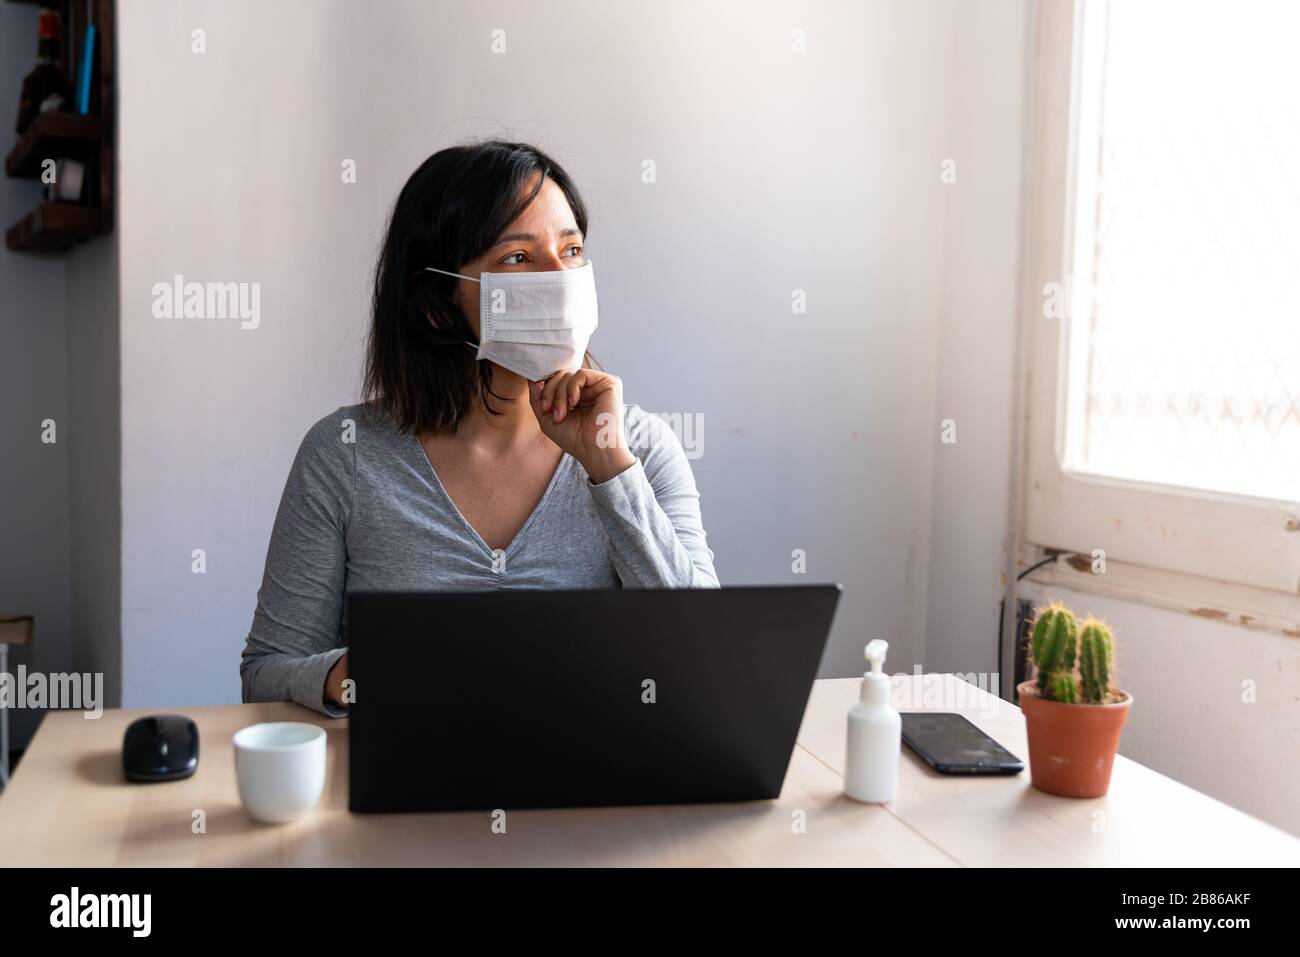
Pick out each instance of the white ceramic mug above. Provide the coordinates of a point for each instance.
(280, 769)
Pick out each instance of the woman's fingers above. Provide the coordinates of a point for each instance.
(563, 392)
(577, 389)
(576, 383)
(566, 391)
(535, 394)
(548, 392)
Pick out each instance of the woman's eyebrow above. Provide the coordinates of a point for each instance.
(530, 237)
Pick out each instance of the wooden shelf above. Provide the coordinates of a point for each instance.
(53, 227)
(15, 629)
(54, 136)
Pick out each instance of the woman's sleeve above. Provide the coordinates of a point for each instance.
(651, 512)
(295, 637)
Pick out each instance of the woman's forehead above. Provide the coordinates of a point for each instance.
(549, 210)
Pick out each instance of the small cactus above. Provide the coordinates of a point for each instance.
(1053, 645)
(1057, 641)
(1096, 661)
(1062, 687)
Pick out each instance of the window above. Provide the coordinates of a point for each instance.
(1164, 293)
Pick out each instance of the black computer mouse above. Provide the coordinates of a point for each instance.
(160, 747)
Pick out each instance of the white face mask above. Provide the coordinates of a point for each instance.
(535, 323)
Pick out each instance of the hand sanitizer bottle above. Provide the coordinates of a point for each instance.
(875, 736)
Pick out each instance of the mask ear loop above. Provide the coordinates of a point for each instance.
(456, 275)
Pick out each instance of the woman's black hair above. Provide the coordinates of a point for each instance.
(418, 370)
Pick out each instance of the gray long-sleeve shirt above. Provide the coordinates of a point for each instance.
(363, 510)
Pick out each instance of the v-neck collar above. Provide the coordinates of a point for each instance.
(490, 552)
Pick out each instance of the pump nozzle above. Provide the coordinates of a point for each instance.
(875, 654)
(875, 683)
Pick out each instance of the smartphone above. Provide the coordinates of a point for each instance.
(953, 745)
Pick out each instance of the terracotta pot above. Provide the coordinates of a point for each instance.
(1071, 746)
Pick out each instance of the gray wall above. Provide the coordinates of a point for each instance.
(94, 448)
(776, 171)
(60, 541)
(34, 529)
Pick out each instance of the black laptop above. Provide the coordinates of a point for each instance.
(530, 699)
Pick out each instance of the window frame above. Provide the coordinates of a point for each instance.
(1230, 538)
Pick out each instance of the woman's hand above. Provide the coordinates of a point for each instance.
(582, 413)
(334, 681)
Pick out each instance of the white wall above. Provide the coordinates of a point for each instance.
(776, 171)
(34, 530)
(975, 344)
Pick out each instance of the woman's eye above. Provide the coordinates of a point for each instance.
(574, 250)
(514, 259)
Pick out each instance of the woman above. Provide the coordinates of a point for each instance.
(509, 465)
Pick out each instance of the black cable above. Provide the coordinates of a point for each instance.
(1050, 558)
(1003, 604)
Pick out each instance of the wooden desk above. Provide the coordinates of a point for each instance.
(69, 805)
